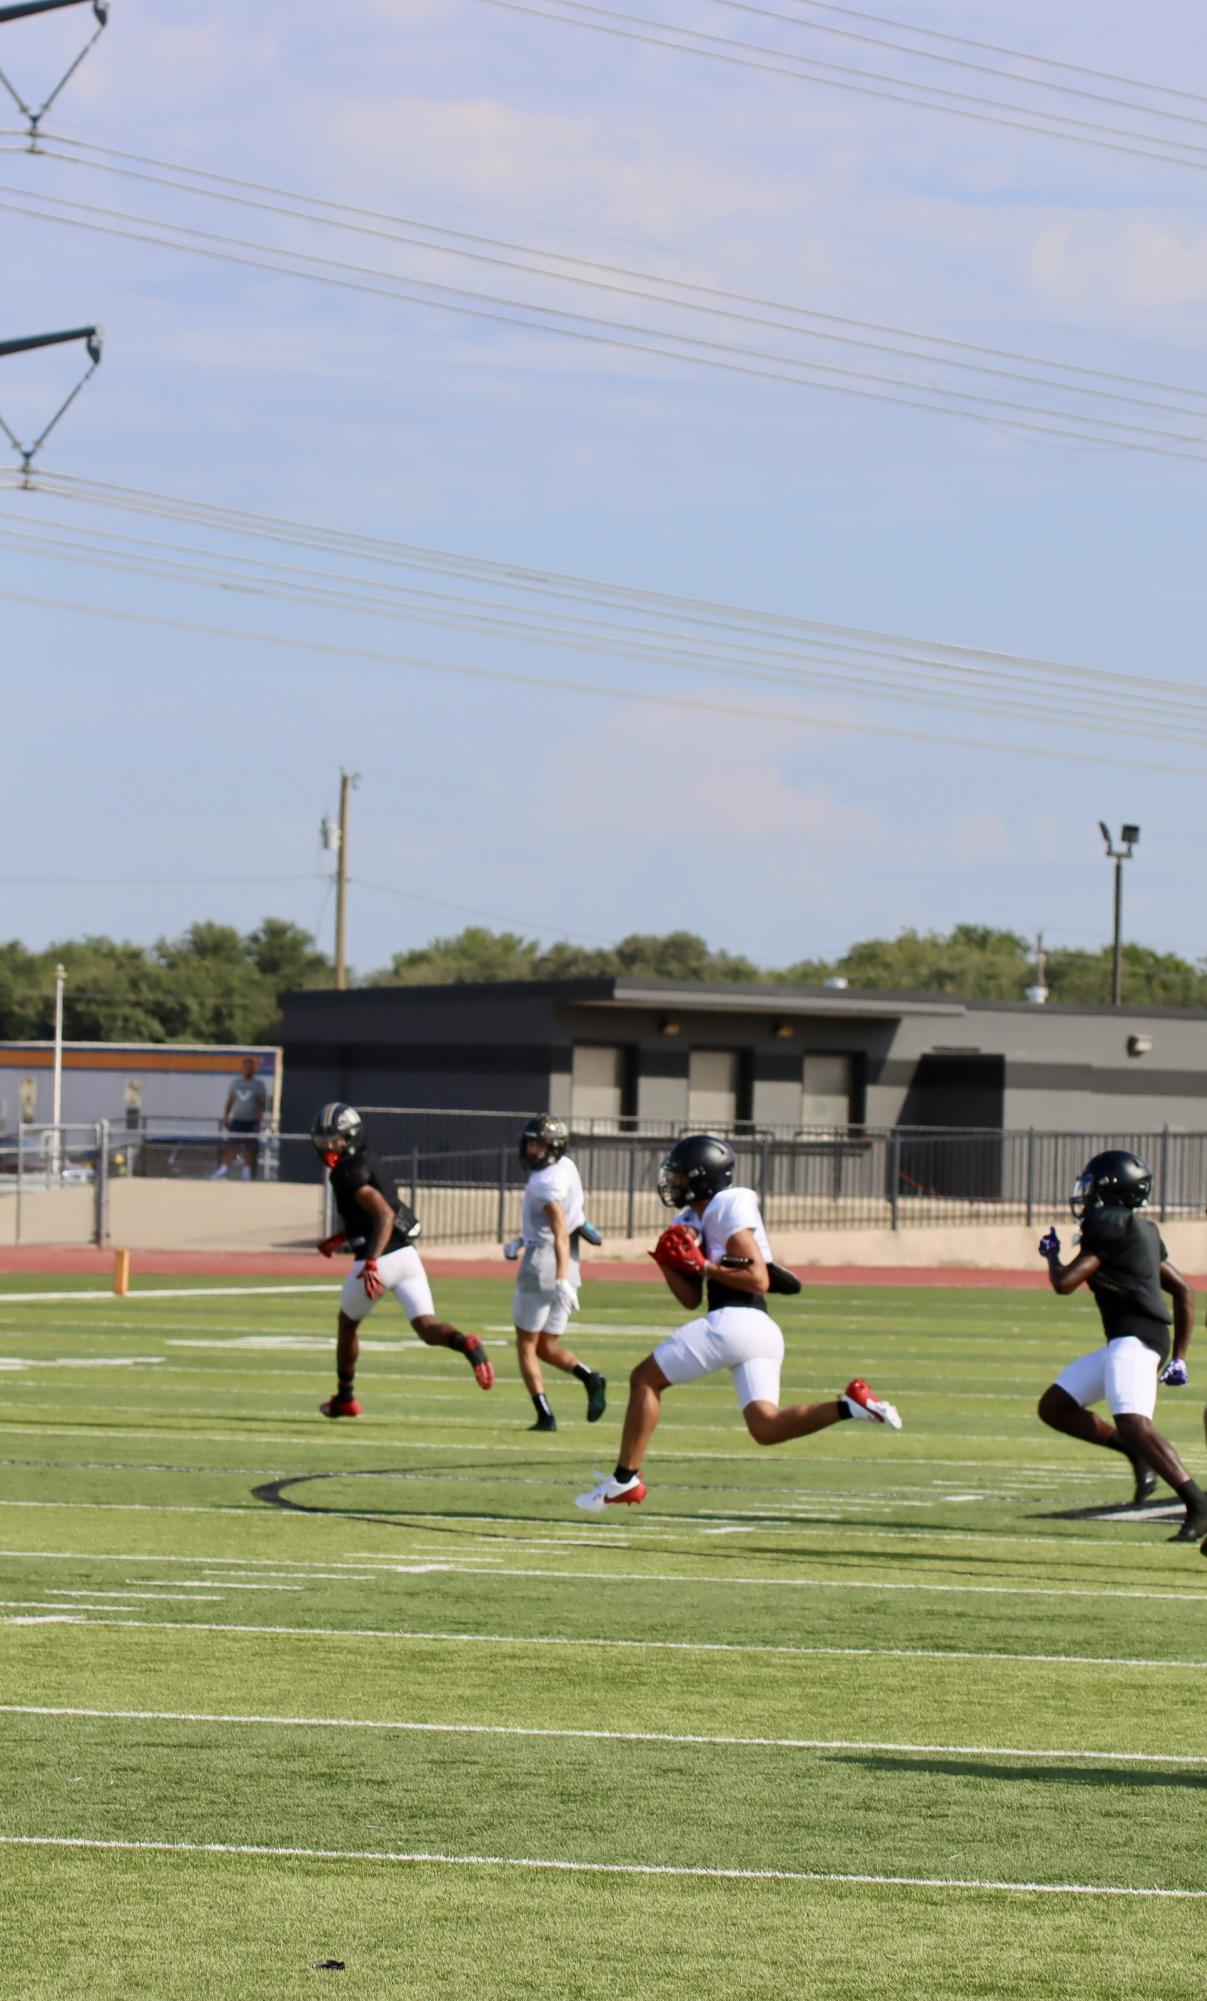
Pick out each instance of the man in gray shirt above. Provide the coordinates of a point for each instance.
(242, 1116)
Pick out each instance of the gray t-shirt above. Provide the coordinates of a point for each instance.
(248, 1099)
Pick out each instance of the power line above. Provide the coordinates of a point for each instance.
(640, 697)
(912, 680)
(596, 274)
(518, 579)
(994, 48)
(745, 55)
(957, 62)
(634, 338)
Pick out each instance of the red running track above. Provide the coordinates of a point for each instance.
(40, 1259)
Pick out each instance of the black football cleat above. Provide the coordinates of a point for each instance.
(545, 1422)
(1194, 1528)
(1145, 1481)
(597, 1398)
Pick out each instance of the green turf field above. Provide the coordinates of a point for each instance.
(277, 1691)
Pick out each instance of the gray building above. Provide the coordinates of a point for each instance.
(640, 1052)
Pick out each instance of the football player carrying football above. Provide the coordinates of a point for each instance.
(1126, 1266)
(380, 1232)
(547, 1283)
(717, 1249)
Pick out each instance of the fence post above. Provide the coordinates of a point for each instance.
(630, 1222)
(100, 1214)
(1163, 1171)
(894, 1182)
(1030, 1176)
(502, 1224)
(764, 1165)
(414, 1177)
(20, 1178)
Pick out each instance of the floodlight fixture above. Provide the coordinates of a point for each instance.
(93, 340)
(1129, 834)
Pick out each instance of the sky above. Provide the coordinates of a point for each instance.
(156, 775)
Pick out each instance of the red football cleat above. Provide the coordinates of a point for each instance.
(480, 1363)
(338, 1406)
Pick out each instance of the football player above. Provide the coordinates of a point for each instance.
(1126, 1266)
(717, 1249)
(546, 1291)
(380, 1232)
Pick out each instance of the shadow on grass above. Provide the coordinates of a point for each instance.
(1043, 1772)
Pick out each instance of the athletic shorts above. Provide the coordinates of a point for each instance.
(738, 1338)
(402, 1273)
(535, 1307)
(1123, 1374)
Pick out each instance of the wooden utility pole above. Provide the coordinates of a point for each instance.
(348, 780)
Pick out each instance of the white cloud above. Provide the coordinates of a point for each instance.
(1144, 265)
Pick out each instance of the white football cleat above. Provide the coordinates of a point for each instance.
(860, 1402)
(611, 1493)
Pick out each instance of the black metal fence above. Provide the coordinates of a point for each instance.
(465, 1179)
(858, 1178)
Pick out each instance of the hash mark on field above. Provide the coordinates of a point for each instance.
(590, 1868)
(595, 1736)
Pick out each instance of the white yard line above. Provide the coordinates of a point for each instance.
(670, 1869)
(123, 1300)
(406, 1637)
(595, 1736)
(472, 1568)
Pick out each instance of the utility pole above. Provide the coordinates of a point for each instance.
(93, 340)
(337, 837)
(1128, 838)
(1037, 992)
(23, 10)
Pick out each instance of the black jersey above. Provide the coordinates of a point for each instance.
(364, 1170)
(1127, 1285)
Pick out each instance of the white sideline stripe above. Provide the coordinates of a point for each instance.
(162, 1292)
(589, 1868)
(593, 1736)
(406, 1635)
(478, 1569)
(142, 1508)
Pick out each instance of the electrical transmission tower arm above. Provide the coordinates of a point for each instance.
(21, 10)
(23, 344)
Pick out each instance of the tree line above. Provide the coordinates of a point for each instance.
(214, 983)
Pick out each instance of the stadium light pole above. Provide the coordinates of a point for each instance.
(1128, 838)
(56, 1100)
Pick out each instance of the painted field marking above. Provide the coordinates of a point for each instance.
(672, 1869)
(593, 1736)
(316, 1286)
(474, 1567)
(304, 1438)
(404, 1636)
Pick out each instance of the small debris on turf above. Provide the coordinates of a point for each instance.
(329, 1965)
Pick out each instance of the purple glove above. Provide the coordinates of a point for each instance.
(1175, 1375)
(1049, 1246)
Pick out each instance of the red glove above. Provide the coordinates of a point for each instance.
(678, 1249)
(370, 1278)
(330, 1245)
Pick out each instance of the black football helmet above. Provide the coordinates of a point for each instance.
(1112, 1180)
(696, 1166)
(550, 1131)
(337, 1130)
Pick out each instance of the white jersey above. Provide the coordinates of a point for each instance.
(557, 1181)
(731, 1210)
